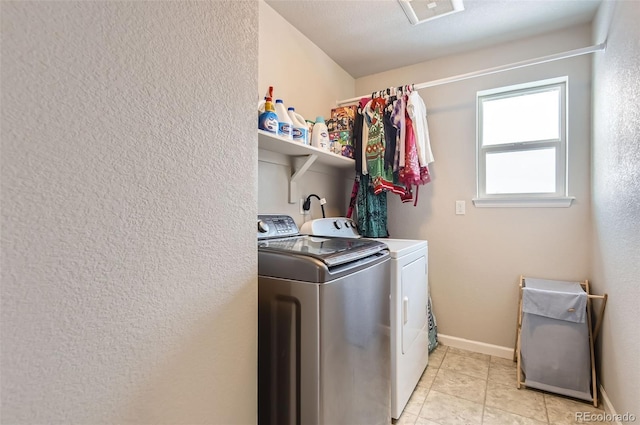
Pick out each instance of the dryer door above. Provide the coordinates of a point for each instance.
(414, 301)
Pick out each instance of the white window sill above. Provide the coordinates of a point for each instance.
(562, 202)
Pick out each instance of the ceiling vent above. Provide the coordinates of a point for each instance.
(419, 11)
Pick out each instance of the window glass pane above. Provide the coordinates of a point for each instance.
(521, 118)
(530, 171)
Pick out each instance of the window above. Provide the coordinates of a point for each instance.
(522, 145)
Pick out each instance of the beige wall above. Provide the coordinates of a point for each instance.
(128, 250)
(300, 72)
(475, 259)
(616, 199)
(310, 81)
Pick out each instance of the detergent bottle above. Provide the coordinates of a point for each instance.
(268, 120)
(300, 130)
(284, 121)
(320, 135)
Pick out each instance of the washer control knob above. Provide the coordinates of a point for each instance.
(263, 227)
(337, 224)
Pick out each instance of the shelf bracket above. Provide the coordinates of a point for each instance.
(300, 164)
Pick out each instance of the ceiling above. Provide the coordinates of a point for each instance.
(369, 36)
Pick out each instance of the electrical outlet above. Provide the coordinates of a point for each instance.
(460, 207)
(302, 211)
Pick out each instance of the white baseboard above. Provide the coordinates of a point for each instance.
(608, 407)
(476, 346)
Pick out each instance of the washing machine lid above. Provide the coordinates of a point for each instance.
(401, 247)
(330, 251)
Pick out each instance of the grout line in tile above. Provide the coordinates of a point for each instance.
(546, 410)
(486, 390)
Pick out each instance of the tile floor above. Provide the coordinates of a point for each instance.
(463, 387)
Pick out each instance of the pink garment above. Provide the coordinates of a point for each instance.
(410, 174)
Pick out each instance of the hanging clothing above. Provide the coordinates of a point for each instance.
(433, 327)
(404, 191)
(381, 176)
(410, 173)
(390, 138)
(392, 145)
(391, 151)
(366, 123)
(372, 210)
(413, 173)
(357, 140)
(354, 195)
(398, 120)
(417, 111)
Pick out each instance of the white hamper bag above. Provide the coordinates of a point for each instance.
(555, 350)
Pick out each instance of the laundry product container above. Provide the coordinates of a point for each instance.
(554, 346)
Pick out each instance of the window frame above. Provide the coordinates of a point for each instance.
(560, 196)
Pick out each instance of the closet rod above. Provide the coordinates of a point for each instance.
(509, 67)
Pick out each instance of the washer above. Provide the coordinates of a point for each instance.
(409, 299)
(323, 327)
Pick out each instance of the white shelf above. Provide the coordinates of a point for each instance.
(274, 143)
(302, 157)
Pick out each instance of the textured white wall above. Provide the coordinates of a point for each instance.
(129, 191)
(306, 78)
(616, 198)
(475, 259)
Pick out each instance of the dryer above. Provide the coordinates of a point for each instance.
(409, 302)
(409, 318)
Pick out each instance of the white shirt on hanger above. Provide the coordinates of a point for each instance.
(417, 111)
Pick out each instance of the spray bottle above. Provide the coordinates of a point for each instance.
(268, 120)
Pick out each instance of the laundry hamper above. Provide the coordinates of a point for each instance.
(554, 341)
